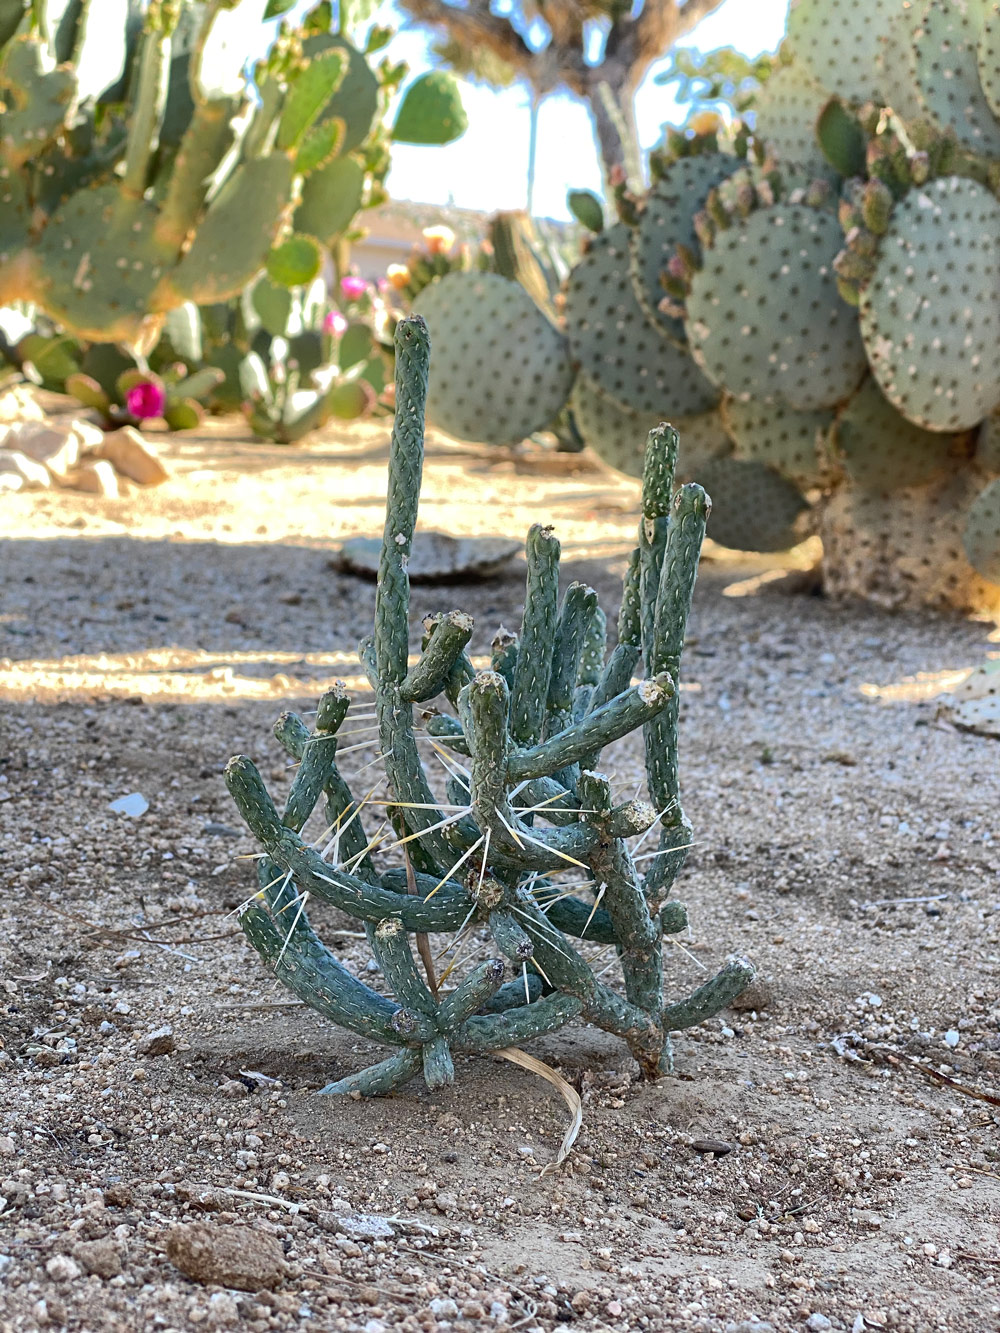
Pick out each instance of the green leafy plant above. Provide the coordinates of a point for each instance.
(524, 802)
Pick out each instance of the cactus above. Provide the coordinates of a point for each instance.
(666, 221)
(644, 370)
(763, 315)
(179, 190)
(501, 368)
(526, 802)
(938, 359)
(789, 441)
(617, 434)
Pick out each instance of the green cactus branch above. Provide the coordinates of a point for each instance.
(488, 859)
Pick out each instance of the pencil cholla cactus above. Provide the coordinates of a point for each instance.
(525, 801)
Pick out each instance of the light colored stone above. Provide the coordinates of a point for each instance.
(159, 1042)
(98, 478)
(230, 1256)
(91, 437)
(61, 1268)
(133, 456)
(58, 447)
(19, 404)
(18, 472)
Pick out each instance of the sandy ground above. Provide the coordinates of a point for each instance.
(845, 840)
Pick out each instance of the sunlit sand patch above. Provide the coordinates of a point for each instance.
(916, 689)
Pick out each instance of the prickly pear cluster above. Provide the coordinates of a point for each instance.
(498, 825)
(833, 271)
(141, 168)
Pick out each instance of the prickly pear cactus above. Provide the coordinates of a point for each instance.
(791, 442)
(666, 221)
(639, 368)
(526, 804)
(764, 318)
(754, 508)
(880, 450)
(838, 45)
(177, 189)
(909, 547)
(501, 368)
(937, 356)
(612, 431)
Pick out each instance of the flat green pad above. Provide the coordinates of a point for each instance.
(883, 451)
(988, 444)
(897, 64)
(618, 435)
(499, 368)
(981, 537)
(753, 508)
(331, 196)
(36, 95)
(787, 111)
(235, 235)
(789, 441)
(930, 317)
(617, 346)
(947, 73)
(99, 264)
(838, 43)
(764, 317)
(667, 219)
(988, 57)
(15, 213)
(356, 100)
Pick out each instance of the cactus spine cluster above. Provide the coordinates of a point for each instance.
(525, 801)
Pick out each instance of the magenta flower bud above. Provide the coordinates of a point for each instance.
(335, 323)
(145, 399)
(353, 287)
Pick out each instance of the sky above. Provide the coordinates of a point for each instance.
(487, 168)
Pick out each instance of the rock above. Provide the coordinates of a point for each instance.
(434, 556)
(443, 1307)
(446, 1203)
(359, 1226)
(133, 456)
(7, 1147)
(91, 437)
(98, 478)
(717, 1146)
(757, 997)
(99, 1256)
(818, 1323)
(18, 472)
(119, 1195)
(57, 447)
(158, 1042)
(134, 805)
(19, 404)
(61, 1268)
(231, 1256)
(751, 1326)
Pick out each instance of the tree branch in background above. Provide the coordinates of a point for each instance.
(488, 45)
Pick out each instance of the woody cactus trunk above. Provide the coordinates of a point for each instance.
(526, 802)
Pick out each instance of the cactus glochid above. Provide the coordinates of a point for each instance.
(524, 802)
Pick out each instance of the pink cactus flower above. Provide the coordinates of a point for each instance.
(335, 323)
(145, 399)
(353, 287)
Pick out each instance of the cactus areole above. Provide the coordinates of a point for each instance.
(524, 803)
